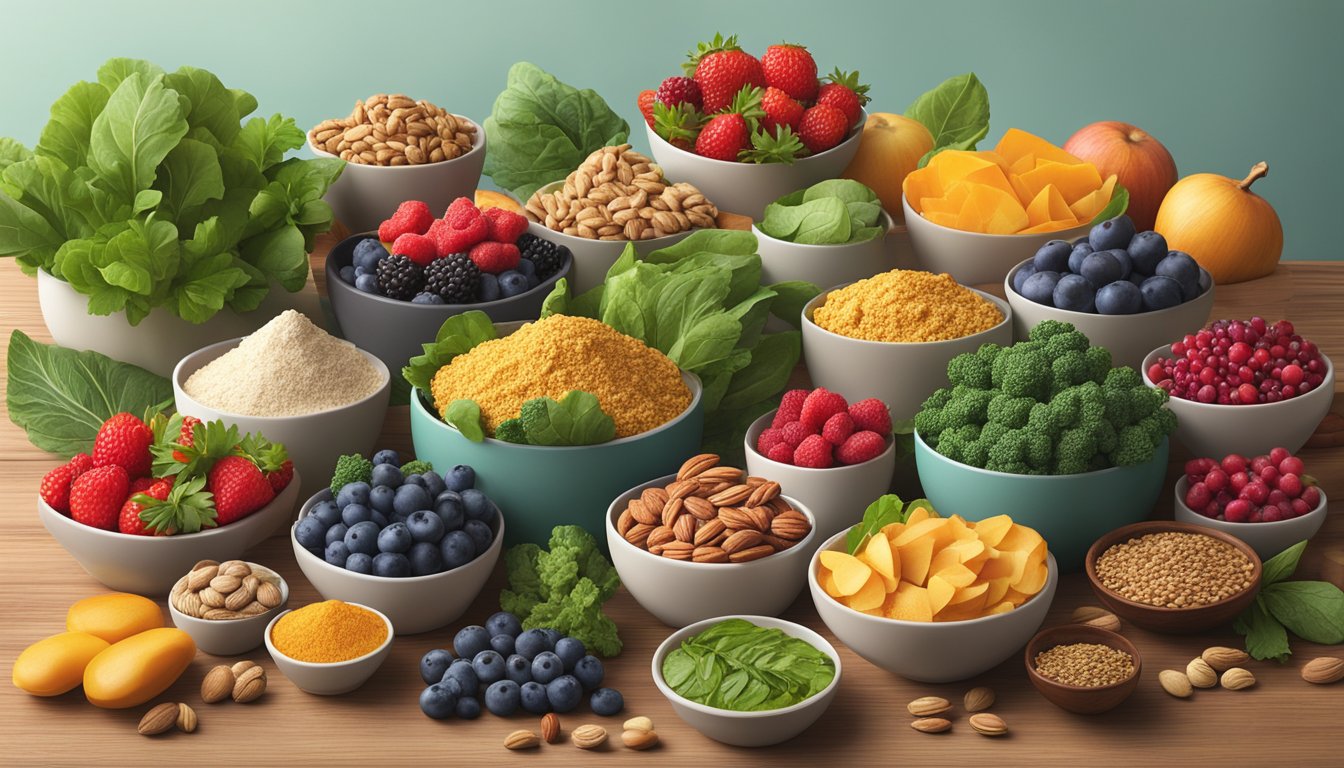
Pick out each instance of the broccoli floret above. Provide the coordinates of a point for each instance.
(1067, 341)
(975, 453)
(930, 421)
(1065, 409)
(1010, 411)
(1009, 450)
(1040, 450)
(511, 431)
(1106, 436)
(992, 432)
(1074, 451)
(952, 443)
(416, 467)
(1022, 371)
(1133, 446)
(1122, 379)
(970, 369)
(968, 406)
(1145, 401)
(940, 398)
(1119, 406)
(1067, 370)
(1040, 421)
(351, 468)
(1048, 329)
(1098, 363)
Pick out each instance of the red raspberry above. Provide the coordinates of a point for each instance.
(417, 248)
(819, 406)
(790, 407)
(450, 241)
(813, 452)
(55, 488)
(871, 414)
(495, 257)
(838, 428)
(461, 212)
(412, 216)
(679, 90)
(768, 439)
(504, 226)
(860, 447)
(780, 452)
(793, 433)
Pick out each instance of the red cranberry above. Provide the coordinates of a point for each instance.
(1207, 394)
(1258, 324)
(1238, 511)
(1277, 455)
(1247, 393)
(1197, 496)
(1215, 480)
(1233, 462)
(1269, 474)
(1300, 507)
(1311, 495)
(1238, 480)
(1290, 465)
(1255, 492)
(1276, 496)
(1292, 374)
(1290, 485)
(1272, 513)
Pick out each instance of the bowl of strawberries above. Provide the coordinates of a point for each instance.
(152, 499)
(746, 130)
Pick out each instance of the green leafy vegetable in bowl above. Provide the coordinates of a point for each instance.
(1312, 610)
(563, 588)
(145, 190)
(956, 112)
(886, 510)
(831, 212)
(739, 666)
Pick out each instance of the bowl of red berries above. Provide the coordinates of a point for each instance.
(748, 130)
(393, 288)
(833, 456)
(1243, 386)
(1267, 501)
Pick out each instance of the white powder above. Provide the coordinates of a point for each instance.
(288, 367)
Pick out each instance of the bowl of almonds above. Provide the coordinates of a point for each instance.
(398, 148)
(226, 606)
(710, 541)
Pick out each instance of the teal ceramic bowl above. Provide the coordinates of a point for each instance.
(1070, 511)
(540, 487)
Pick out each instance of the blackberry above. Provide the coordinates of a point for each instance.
(546, 255)
(399, 277)
(454, 278)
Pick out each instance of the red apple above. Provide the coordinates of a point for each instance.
(1143, 165)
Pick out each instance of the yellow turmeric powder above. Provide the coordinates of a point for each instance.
(639, 387)
(328, 632)
(906, 306)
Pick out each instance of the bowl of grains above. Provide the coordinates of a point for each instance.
(892, 335)
(615, 197)
(397, 148)
(320, 396)
(1083, 669)
(1173, 577)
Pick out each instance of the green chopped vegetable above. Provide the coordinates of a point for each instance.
(577, 419)
(739, 666)
(416, 467)
(350, 468)
(458, 335)
(886, 510)
(563, 588)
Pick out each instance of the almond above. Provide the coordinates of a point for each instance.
(735, 494)
(762, 493)
(217, 685)
(701, 509)
(1095, 616)
(1222, 658)
(790, 525)
(205, 564)
(978, 699)
(659, 536)
(740, 540)
(678, 550)
(684, 528)
(550, 728)
(211, 598)
(638, 724)
(708, 532)
(269, 594)
(159, 719)
(751, 553)
(225, 584)
(709, 555)
(639, 534)
(682, 489)
(1237, 678)
(186, 718)
(1200, 673)
(931, 725)
(200, 578)
(250, 685)
(730, 475)
(654, 498)
(928, 705)
(1323, 671)
(521, 740)
(760, 517)
(987, 724)
(239, 667)
(625, 522)
(643, 513)
(755, 481)
(672, 511)
(589, 736)
(737, 519)
(1175, 683)
(640, 740)
(696, 465)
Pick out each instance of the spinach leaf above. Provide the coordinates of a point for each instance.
(827, 213)
(1265, 636)
(577, 419)
(886, 510)
(956, 112)
(466, 416)
(790, 298)
(458, 335)
(739, 666)
(1312, 610)
(846, 190)
(1118, 205)
(66, 135)
(141, 124)
(1282, 565)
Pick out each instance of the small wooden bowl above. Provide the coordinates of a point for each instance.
(1074, 698)
(1172, 620)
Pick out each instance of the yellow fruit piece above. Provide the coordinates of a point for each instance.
(489, 198)
(1022, 164)
(955, 166)
(1002, 607)
(1048, 205)
(919, 515)
(1017, 143)
(869, 597)
(990, 176)
(1086, 208)
(951, 201)
(949, 220)
(993, 211)
(940, 593)
(918, 530)
(1017, 598)
(114, 617)
(850, 572)
(911, 603)
(135, 670)
(1033, 579)
(944, 559)
(827, 581)
(55, 664)
(1009, 564)
(1051, 226)
(958, 575)
(973, 608)
(997, 588)
(877, 555)
(915, 559)
(921, 184)
(970, 592)
(1073, 181)
(1020, 538)
(991, 530)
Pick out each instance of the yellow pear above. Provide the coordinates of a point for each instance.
(891, 148)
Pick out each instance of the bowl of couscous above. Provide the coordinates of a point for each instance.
(891, 336)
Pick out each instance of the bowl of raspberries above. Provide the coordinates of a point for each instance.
(832, 455)
(393, 288)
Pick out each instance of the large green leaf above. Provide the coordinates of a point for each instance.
(66, 135)
(212, 106)
(141, 124)
(190, 177)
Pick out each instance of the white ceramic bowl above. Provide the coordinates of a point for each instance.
(413, 604)
(679, 592)
(746, 188)
(824, 265)
(231, 637)
(974, 258)
(313, 440)
(592, 258)
(335, 678)
(932, 651)
(748, 729)
(1267, 539)
(1128, 337)
(365, 195)
(900, 374)
(836, 496)
(1251, 430)
(151, 565)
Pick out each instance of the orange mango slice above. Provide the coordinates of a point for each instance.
(877, 555)
(1017, 143)
(850, 572)
(915, 559)
(911, 604)
(869, 597)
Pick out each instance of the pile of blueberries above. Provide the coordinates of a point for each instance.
(537, 671)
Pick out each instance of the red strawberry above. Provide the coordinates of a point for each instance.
(461, 212)
(280, 478)
(842, 91)
(239, 489)
(728, 134)
(721, 69)
(140, 485)
(124, 440)
(838, 428)
(81, 463)
(823, 127)
(791, 69)
(504, 226)
(790, 407)
(781, 452)
(130, 521)
(820, 405)
(184, 435)
(860, 447)
(271, 458)
(412, 216)
(780, 109)
(417, 248)
(677, 90)
(495, 257)
(814, 452)
(97, 495)
(645, 102)
(55, 488)
(872, 415)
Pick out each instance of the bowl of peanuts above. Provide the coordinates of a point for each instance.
(397, 148)
(616, 197)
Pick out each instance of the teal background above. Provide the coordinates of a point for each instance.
(1222, 83)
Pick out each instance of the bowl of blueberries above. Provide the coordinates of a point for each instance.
(403, 539)
(510, 670)
(1125, 290)
(388, 304)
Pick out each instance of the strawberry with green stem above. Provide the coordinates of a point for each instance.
(645, 102)
(791, 69)
(843, 91)
(780, 110)
(728, 133)
(721, 69)
(186, 507)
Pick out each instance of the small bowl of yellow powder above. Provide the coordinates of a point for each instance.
(331, 647)
(891, 336)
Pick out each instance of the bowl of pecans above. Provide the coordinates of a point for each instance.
(397, 148)
(710, 541)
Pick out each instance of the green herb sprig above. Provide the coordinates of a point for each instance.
(1312, 610)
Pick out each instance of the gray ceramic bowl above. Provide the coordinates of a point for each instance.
(395, 330)
(1267, 539)
(335, 678)
(231, 637)
(823, 265)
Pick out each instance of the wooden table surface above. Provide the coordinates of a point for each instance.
(1282, 720)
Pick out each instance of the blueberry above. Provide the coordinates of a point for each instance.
(606, 702)
(503, 645)
(546, 666)
(351, 514)
(387, 456)
(426, 298)
(337, 533)
(367, 283)
(362, 271)
(480, 535)
(564, 693)
(477, 505)
(1020, 276)
(395, 538)
(457, 550)
(468, 708)
(380, 520)
(532, 642)
(1040, 288)
(1112, 233)
(1146, 250)
(363, 538)
(1075, 293)
(512, 283)
(411, 498)
(1137, 278)
(532, 280)
(503, 697)
(1160, 293)
(434, 663)
(433, 483)
(448, 506)
(528, 267)
(464, 674)
(589, 672)
(353, 493)
(470, 641)
(1053, 256)
(337, 553)
(437, 702)
(504, 623)
(348, 274)
(518, 669)
(488, 289)
(426, 559)
(386, 474)
(1080, 250)
(489, 666)
(425, 526)
(380, 499)
(1100, 268)
(1179, 266)
(532, 695)
(397, 517)
(311, 532)
(553, 636)
(1122, 258)
(570, 650)
(368, 252)
(391, 565)
(359, 563)
(1119, 298)
(414, 479)
(460, 478)
(327, 512)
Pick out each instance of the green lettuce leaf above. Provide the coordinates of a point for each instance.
(576, 419)
(465, 415)
(458, 335)
(956, 112)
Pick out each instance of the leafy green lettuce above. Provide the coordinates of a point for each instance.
(563, 588)
(739, 666)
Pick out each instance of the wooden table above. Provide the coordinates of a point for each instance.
(1283, 720)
